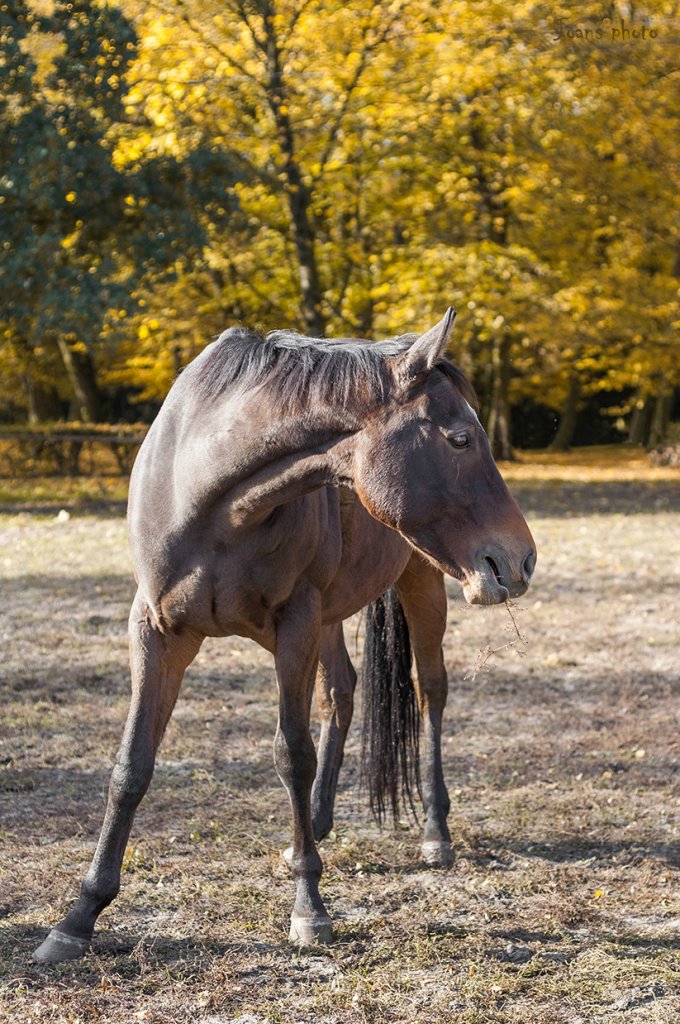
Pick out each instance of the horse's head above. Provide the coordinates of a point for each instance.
(423, 466)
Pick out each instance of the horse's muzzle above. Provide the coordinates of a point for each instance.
(495, 578)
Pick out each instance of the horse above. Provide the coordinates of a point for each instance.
(287, 483)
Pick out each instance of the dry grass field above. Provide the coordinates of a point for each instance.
(563, 906)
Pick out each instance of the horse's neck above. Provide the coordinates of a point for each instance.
(254, 460)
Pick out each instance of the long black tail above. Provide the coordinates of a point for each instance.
(389, 755)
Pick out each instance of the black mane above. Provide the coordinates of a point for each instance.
(301, 369)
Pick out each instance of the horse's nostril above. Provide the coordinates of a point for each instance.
(528, 566)
(494, 568)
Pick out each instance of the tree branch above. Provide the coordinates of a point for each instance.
(368, 50)
(185, 17)
(259, 43)
(295, 18)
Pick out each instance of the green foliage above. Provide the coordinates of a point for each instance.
(80, 234)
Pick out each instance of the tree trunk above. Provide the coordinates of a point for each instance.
(492, 199)
(641, 420)
(660, 418)
(366, 317)
(42, 404)
(81, 375)
(568, 419)
(298, 194)
(497, 211)
(498, 427)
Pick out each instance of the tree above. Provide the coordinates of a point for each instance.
(78, 228)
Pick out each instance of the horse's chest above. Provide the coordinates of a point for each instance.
(236, 581)
(373, 557)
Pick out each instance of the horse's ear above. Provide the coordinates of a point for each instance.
(426, 350)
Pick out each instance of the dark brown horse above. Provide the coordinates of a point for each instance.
(285, 484)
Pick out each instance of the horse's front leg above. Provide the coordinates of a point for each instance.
(423, 596)
(296, 656)
(158, 662)
(335, 685)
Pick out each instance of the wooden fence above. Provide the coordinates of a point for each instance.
(85, 450)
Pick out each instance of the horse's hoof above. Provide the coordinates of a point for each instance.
(437, 853)
(287, 855)
(58, 946)
(310, 931)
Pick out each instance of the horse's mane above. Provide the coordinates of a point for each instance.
(300, 370)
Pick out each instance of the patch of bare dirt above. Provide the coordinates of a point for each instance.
(562, 764)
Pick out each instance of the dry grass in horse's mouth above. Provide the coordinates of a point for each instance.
(517, 642)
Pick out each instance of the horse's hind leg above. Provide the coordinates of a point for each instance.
(158, 662)
(335, 684)
(423, 597)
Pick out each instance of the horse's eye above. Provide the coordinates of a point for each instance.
(460, 440)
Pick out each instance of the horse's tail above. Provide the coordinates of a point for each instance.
(389, 755)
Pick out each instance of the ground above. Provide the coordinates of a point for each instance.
(561, 755)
